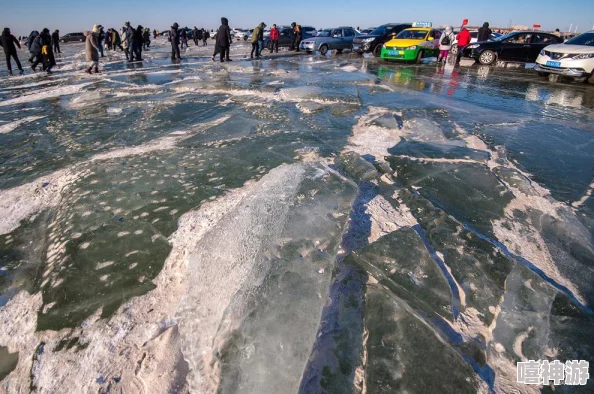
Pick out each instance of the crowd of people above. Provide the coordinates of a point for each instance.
(132, 41)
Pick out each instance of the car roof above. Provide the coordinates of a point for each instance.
(394, 24)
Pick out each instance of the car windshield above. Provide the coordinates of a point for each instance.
(380, 31)
(325, 33)
(504, 37)
(412, 34)
(582, 39)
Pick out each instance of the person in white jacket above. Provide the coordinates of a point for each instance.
(445, 44)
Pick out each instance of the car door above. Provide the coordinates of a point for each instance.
(349, 36)
(537, 43)
(515, 48)
(285, 37)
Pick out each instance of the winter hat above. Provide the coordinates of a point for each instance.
(175, 25)
(127, 24)
(293, 24)
(96, 28)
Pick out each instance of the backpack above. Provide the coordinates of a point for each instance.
(446, 40)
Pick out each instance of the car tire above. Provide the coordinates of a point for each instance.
(454, 49)
(487, 57)
(323, 50)
(419, 57)
(377, 51)
(244, 38)
(268, 45)
(339, 50)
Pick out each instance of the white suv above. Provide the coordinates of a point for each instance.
(574, 58)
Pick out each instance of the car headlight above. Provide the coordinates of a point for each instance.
(542, 53)
(473, 46)
(368, 39)
(583, 56)
(412, 48)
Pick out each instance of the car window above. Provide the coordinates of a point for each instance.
(349, 32)
(412, 34)
(474, 34)
(436, 34)
(542, 39)
(337, 33)
(325, 33)
(582, 39)
(522, 38)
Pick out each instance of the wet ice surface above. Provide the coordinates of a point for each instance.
(298, 224)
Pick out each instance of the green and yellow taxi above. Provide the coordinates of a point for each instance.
(413, 44)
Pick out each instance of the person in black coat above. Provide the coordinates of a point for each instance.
(174, 38)
(42, 45)
(7, 41)
(223, 41)
(484, 33)
(56, 41)
(137, 41)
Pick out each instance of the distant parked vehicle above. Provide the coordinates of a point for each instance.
(73, 37)
(373, 42)
(368, 30)
(285, 37)
(519, 46)
(337, 39)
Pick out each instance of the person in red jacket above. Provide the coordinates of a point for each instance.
(463, 41)
(274, 34)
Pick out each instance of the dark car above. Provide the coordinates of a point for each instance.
(285, 36)
(372, 42)
(519, 46)
(70, 37)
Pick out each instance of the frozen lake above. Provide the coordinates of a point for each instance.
(297, 224)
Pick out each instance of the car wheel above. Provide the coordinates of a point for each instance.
(454, 50)
(543, 74)
(487, 58)
(339, 50)
(268, 46)
(377, 51)
(419, 57)
(323, 49)
(244, 38)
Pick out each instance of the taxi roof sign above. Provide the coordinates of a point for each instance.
(422, 24)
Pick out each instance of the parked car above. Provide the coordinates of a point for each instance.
(337, 39)
(368, 30)
(285, 38)
(412, 44)
(372, 42)
(574, 58)
(70, 37)
(243, 34)
(473, 39)
(519, 46)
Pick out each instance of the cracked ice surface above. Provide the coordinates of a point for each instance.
(297, 224)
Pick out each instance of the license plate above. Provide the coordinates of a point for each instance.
(392, 53)
(355, 47)
(553, 64)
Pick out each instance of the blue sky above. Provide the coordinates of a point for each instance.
(78, 15)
